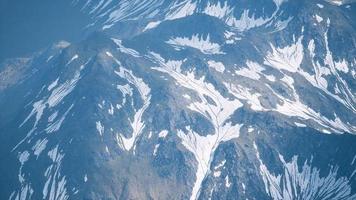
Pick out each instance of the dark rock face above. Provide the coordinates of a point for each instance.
(186, 100)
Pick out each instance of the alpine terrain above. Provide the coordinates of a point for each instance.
(180, 100)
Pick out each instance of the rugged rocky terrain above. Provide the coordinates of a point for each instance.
(190, 99)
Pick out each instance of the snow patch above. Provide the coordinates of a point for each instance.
(252, 71)
(137, 125)
(72, 59)
(124, 49)
(304, 182)
(163, 134)
(287, 58)
(227, 181)
(151, 25)
(57, 124)
(197, 42)
(218, 66)
(214, 107)
(55, 185)
(342, 66)
(39, 147)
(181, 9)
(155, 149)
(99, 128)
(318, 18)
(53, 84)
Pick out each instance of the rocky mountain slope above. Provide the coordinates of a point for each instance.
(191, 99)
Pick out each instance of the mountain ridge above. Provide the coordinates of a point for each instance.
(190, 105)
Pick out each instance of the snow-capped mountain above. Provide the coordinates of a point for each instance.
(190, 99)
(241, 15)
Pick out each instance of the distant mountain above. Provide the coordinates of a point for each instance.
(191, 99)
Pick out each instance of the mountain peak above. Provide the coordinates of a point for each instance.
(188, 99)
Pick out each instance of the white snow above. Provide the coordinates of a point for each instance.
(217, 173)
(318, 18)
(227, 181)
(287, 58)
(24, 193)
(126, 90)
(111, 109)
(53, 84)
(186, 96)
(49, 58)
(345, 96)
(270, 78)
(23, 157)
(181, 9)
(342, 66)
(353, 160)
(149, 135)
(300, 124)
(124, 49)
(226, 13)
(252, 71)
(217, 112)
(62, 44)
(151, 25)
(279, 2)
(230, 37)
(137, 124)
(201, 43)
(128, 10)
(61, 91)
(245, 22)
(218, 66)
(218, 10)
(289, 107)
(336, 2)
(155, 149)
(99, 128)
(52, 117)
(220, 164)
(57, 124)
(304, 182)
(163, 134)
(280, 24)
(55, 185)
(39, 147)
(244, 93)
(38, 108)
(72, 59)
(107, 149)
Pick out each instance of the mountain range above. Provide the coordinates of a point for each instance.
(182, 99)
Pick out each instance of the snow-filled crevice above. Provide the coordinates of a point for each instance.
(288, 60)
(217, 112)
(304, 182)
(108, 14)
(203, 44)
(137, 124)
(55, 187)
(58, 92)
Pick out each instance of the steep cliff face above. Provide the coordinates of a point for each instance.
(186, 100)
